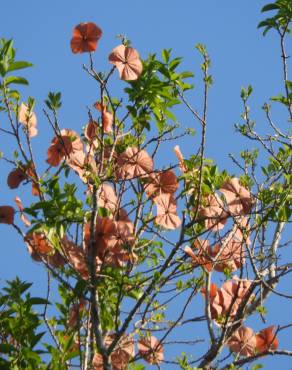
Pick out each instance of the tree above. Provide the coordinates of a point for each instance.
(127, 241)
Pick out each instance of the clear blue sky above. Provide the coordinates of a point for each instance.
(240, 55)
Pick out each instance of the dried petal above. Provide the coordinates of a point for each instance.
(107, 117)
(180, 158)
(56, 260)
(23, 218)
(6, 215)
(75, 311)
(15, 178)
(28, 119)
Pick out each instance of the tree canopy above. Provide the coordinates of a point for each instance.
(154, 263)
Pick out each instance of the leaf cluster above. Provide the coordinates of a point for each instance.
(281, 20)
(20, 326)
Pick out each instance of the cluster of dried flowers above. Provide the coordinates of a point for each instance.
(148, 348)
(112, 237)
(246, 343)
(229, 255)
(125, 59)
(229, 252)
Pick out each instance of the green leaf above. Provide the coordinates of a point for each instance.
(186, 74)
(68, 343)
(6, 348)
(269, 7)
(265, 23)
(31, 355)
(135, 294)
(4, 365)
(16, 80)
(257, 366)
(37, 338)
(37, 300)
(7, 49)
(19, 65)
(54, 101)
(165, 55)
(170, 115)
(14, 94)
(174, 63)
(280, 99)
(3, 68)
(70, 355)
(289, 85)
(136, 367)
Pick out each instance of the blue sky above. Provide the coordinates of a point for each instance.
(239, 54)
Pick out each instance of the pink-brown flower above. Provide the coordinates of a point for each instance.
(107, 197)
(122, 215)
(78, 162)
(229, 297)
(151, 350)
(120, 252)
(266, 340)
(229, 256)
(56, 260)
(219, 257)
(166, 212)
(204, 254)
(161, 182)
(85, 37)
(127, 62)
(243, 341)
(111, 240)
(213, 213)
(76, 257)
(63, 147)
(124, 233)
(104, 236)
(238, 198)
(38, 245)
(134, 163)
(120, 357)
